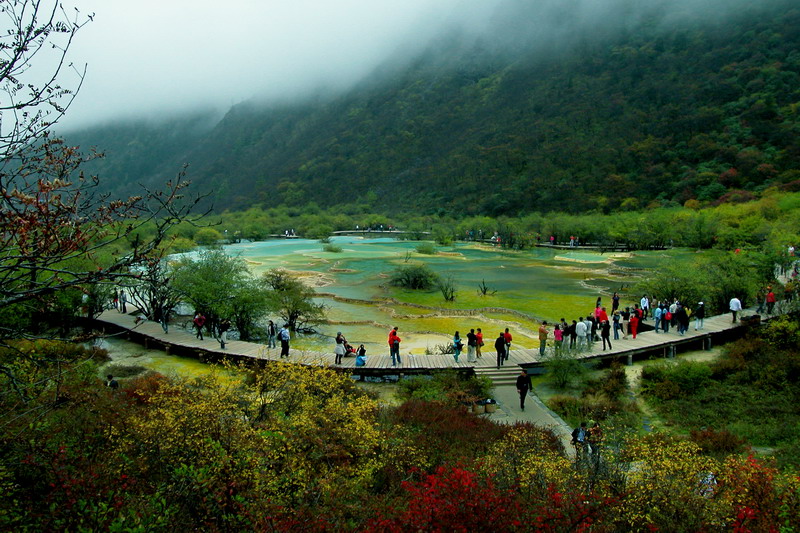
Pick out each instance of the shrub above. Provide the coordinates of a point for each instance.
(717, 443)
(667, 380)
(445, 387)
(426, 248)
(613, 383)
(124, 371)
(333, 248)
(563, 369)
(416, 277)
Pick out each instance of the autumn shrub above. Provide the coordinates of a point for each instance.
(124, 371)
(449, 387)
(453, 499)
(445, 433)
(717, 443)
(665, 488)
(143, 387)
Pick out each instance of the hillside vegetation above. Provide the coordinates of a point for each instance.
(659, 113)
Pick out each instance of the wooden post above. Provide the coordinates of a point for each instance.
(630, 359)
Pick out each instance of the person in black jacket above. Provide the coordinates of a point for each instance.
(500, 346)
(523, 386)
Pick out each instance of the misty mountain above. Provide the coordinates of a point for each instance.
(658, 107)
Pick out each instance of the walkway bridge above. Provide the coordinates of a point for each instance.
(717, 330)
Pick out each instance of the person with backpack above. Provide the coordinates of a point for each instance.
(579, 440)
(394, 347)
(284, 337)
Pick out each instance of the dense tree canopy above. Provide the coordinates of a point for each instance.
(669, 111)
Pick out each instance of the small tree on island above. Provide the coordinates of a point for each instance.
(293, 301)
(414, 276)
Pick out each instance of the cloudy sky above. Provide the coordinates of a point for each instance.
(157, 57)
(161, 56)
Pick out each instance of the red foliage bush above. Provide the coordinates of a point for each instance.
(140, 389)
(450, 432)
(715, 442)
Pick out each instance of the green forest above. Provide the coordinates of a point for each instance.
(666, 112)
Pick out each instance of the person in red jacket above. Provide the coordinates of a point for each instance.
(394, 346)
(634, 324)
(770, 300)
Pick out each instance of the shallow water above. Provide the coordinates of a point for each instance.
(542, 284)
(127, 353)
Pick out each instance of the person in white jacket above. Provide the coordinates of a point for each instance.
(736, 307)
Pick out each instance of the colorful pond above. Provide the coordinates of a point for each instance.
(529, 286)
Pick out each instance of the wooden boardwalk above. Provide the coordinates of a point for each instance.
(717, 329)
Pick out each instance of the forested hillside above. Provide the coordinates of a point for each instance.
(658, 112)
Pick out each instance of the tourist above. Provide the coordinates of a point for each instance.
(666, 318)
(626, 322)
(111, 382)
(736, 307)
(394, 347)
(199, 320)
(472, 346)
(115, 300)
(645, 303)
(617, 325)
(523, 386)
(590, 331)
(479, 337)
(573, 334)
(657, 312)
(123, 300)
(361, 356)
(224, 326)
(558, 338)
(457, 345)
(682, 318)
(542, 338)
(163, 319)
(500, 347)
(614, 302)
(634, 322)
(699, 315)
(271, 334)
(580, 332)
(605, 333)
(770, 300)
(602, 315)
(594, 436)
(509, 338)
(579, 440)
(284, 337)
(339, 350)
